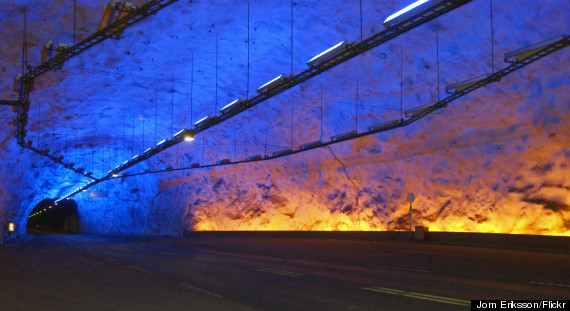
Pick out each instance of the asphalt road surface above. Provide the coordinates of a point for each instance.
(81, 272)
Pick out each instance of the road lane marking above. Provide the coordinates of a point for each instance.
(146, 249)
(278, 272)
(204, 259)
(550, 284)
(283, 272)
(140, 269)
(80, 239)
(434, 298)
(441, 298)
(203, 291)
(167, 253)
(398, 268)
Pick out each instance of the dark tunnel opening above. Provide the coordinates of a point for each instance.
(47, 217)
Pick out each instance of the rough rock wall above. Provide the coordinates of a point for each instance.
(493, 161)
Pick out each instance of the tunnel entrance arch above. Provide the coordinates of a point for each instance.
(47, 217)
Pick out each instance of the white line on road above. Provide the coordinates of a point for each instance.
(148, 249)
(203, 291)
(167, 253)
(140, 269)
(279, 272)
(398, 268)
(550, 284)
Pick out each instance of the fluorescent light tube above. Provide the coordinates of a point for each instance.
(383, 125)
(525, 52)
(328, 53)
(408, 11)
(343, 135)
(271, 83)
(201, 120)
(230, 106)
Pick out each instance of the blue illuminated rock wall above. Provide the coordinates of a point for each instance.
(493, 161)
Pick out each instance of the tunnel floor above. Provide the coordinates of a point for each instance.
(82, 272)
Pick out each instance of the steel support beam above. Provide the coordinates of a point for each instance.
(147, 9)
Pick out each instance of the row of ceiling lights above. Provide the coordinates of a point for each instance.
(186, 135)
(116, 10)
(401, 17)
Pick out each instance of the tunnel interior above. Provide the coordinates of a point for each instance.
(48, 218)
(330, 150)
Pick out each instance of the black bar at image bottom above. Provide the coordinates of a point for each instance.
(520, 305)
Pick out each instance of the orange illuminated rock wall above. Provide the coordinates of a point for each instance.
(512, 179)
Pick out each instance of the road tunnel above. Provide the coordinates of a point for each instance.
(47, 217)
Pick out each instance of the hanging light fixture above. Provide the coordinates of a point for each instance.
(203, 120)
(310, 145)
(343, 135)
(256, 157)
(231, 106)
(383, 125)
(271, 84)
(282, 152)
(517, 55)
(337, 48)
(402, 17)
(47, 48)
(460, 86)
